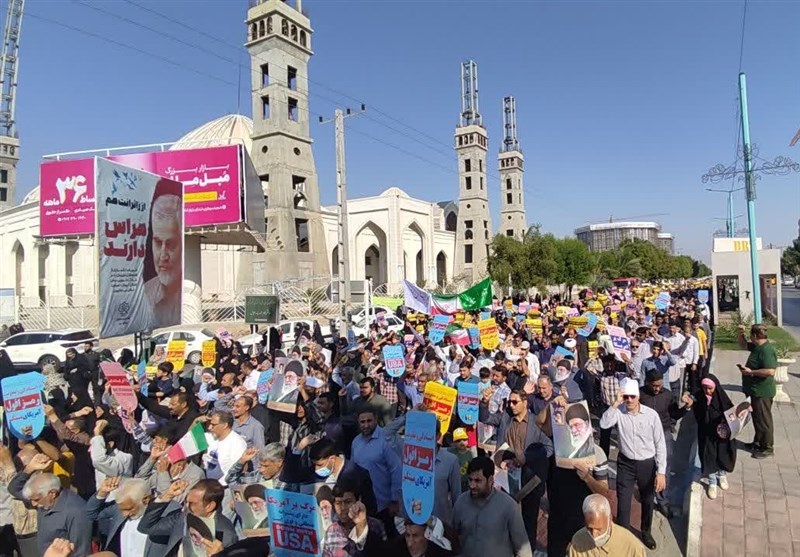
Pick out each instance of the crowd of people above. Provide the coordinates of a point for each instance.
(186, 472)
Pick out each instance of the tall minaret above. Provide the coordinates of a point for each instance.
(9, 140)
(512, 201)
(279, 42)
(474, 230)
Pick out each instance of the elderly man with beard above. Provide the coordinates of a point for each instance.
(163, 291)
(131, 497)
(580, 431)
(601, 537)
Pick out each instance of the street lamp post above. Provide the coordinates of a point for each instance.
(731, 222)
(778, 166)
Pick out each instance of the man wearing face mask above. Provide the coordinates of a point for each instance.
(124, 513)
(330, 465)
(601, 537)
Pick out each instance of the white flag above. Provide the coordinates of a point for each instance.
(415, 298)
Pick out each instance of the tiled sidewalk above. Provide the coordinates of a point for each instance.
(760, 514)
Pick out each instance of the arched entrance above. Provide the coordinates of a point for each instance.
(441, 269)
(19, 268)
(374, 266)
(371, 253)
(414, 244)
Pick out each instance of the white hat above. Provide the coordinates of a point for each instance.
(313, 382)
(630, 387)
(570, 343)
(525, 345)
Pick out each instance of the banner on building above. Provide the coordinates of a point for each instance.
(140, 242)
(211, 177)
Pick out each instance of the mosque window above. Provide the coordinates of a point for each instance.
(269, 25)
(3, 194)
(302, 38)
(509, 232)
(467, 165)
(3, 176)
(265, 108)
(291, 107)
(284, 27)
(468, 253)
(468, 224)
(261, 28)
(509, 198)
(468, 235)
(253, 31)
(481, 183)
(508, 183)
(291, 78)
(480, 165)
(468, 182)
(301, 233)
(294, 32)
(264, 75)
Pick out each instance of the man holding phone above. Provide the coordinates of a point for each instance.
(758, 382)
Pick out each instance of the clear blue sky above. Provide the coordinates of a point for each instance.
(622, 106)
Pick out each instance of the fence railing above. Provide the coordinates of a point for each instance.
(58, 312)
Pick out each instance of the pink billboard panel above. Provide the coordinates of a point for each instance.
(211, 178)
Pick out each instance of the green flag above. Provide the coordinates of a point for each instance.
(477, 297)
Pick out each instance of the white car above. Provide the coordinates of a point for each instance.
(393, 323)
(35, 349)
(287, 334)
(357, 317)
(194, 342)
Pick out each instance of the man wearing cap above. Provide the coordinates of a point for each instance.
(460, 448)
(642, 459)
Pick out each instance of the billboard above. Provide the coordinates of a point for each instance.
(211, 178)
(140, 243)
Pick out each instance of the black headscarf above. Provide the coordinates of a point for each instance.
(714, 445)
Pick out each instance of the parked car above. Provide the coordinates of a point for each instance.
(194, 342)
(35, 349)
(358, 316)
(287, 333)
(393, 322)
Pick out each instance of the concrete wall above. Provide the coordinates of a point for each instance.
(737, 263)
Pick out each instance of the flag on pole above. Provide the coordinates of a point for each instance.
(477, 297)
(190, 444)
(416, 298)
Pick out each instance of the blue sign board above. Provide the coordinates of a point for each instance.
(591, 323)
(293, 524)
(702, 296)
(22, 401)
(264, 385)
(474, 337)
(141, 377)
(563, 352)
(438, 328)
(419, 456)
(468, 399)
(394, 359)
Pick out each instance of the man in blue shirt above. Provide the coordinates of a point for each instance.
(660, 361)
(372, 452)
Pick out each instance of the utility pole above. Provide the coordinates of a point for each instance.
(730, 226)
(343, 237)
(750, 192)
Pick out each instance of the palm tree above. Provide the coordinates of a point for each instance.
(617, 263)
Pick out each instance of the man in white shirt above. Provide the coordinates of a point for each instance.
(678, 345)
(131, 496)
(225, 448)
(250, 376)
(107, 460)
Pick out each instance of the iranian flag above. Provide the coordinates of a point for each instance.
(190, 444)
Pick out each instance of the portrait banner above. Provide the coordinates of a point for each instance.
(573, 441)
(394, 360)
(419, 456)
(284, 390)
(293, 524)
(738, 417)
(140, 244)
(468, 400)
(264, 385)
(22, 403)
(440, 400)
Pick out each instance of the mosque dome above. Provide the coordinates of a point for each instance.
(394, 191)
(232, 129)
(31, 197)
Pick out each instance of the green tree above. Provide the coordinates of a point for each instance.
(790, 260)
(530, 262)
(617, 264)
(700, 269)
(575, 263)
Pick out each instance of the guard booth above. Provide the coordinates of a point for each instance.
(733, 284)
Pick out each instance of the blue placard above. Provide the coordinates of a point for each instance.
(419, 456)
(264, 385)
(563, 352)
(294, 524)
(485, 315)
(468, 399)
(141, 377)
(591, 323)
(519, 318)
(474, 337)
(702, 296)
(662, 301)
(22, 401)
(394, 359)
(351, 338)
(438, 328)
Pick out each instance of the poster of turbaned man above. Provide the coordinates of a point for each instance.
(572, 435)
(140, 244)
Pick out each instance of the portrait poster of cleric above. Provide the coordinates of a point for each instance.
(572, 435)
(140, 244)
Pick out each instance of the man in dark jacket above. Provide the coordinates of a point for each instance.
(180, 413)
(130, 501)
(531, 448)
(656, 397)
(164, 521)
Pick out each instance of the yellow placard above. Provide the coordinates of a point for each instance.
(176, 353)
(490, 337)
(440, 400)
(534, 324)
(561, 311)
(593, 344)
(209, 353)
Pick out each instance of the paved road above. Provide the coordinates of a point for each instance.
(791, 310)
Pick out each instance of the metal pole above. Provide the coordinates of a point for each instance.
(343, 247)
(750, 190)
(731, 221)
